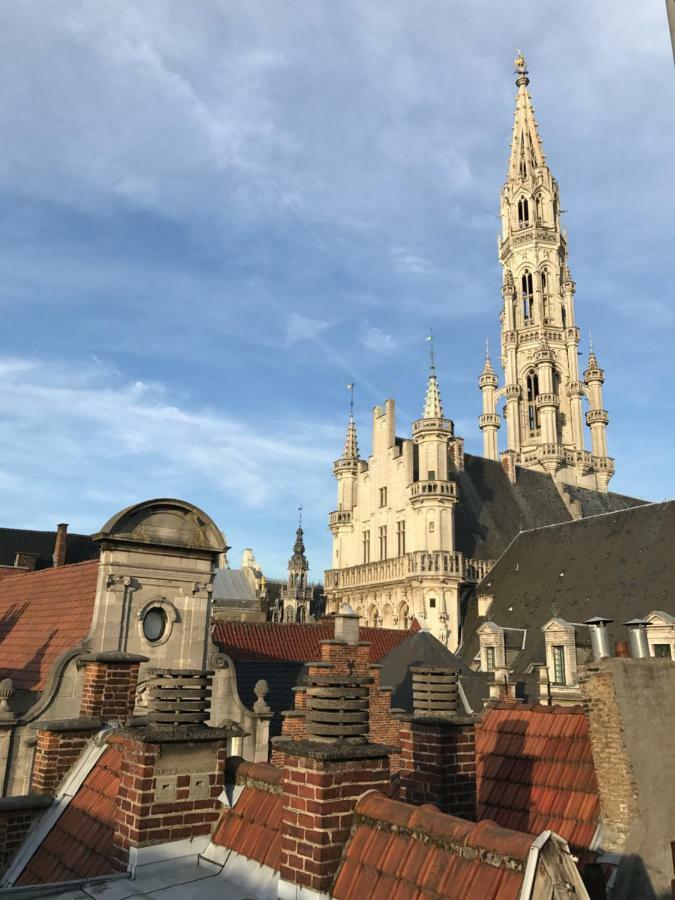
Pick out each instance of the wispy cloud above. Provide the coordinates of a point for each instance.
(376, 340)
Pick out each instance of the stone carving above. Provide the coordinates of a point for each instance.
(261, 690)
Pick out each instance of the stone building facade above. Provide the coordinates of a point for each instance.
(543, 391)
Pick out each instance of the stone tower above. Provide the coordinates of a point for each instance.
(296, 594)
(542, 389)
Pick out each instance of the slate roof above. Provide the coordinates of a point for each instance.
(80, 845)
(294, 642)
(252, 827)
(422, 648)
(618, 565)
(79, 547)
(535, 771)
(43, 614)
(232, 587)
(405, 852)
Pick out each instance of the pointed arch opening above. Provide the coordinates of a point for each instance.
(532, 392)
(528, 295)
(545, 298)
(523, 212)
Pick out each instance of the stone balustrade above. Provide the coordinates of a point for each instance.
(420, 490)
(419, 564)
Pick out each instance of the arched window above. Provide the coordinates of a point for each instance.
(523, 164)
(539, 208)
(532, 383)
(523, 213)
(526, 286)
(544, 296)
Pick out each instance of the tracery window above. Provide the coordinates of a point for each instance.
(544, 296)
(523, 212)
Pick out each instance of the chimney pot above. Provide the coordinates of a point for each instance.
(599, 637)
(59, 556)
(637, 638)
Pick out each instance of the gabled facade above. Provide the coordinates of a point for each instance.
(543, 390)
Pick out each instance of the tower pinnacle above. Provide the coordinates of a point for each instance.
(433, 408)
(351, 450)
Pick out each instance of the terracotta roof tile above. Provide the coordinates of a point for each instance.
(80, 845)
(399, 852)
(43, 614)
(253, 826)
(298, 642)
(535, 771)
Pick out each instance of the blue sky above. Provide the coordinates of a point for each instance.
(213, 215)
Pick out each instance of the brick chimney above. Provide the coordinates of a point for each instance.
(330, 767)
(172, 770)
(108, 695)
(438, 752)
(59, 555)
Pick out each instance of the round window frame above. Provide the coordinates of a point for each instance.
(171, 617)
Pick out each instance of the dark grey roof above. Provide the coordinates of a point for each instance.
(232, 588)
(281, 677)
(420, 649)
(492, 510)
(618, 565)
(79, 547)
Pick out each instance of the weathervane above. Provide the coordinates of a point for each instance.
(430, 339)
(300, 516)
(519, 64)
(350, 388)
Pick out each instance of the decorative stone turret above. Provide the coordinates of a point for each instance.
(597, 418)
(539, 339)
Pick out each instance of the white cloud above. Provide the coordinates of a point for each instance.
(376, 340)
(302, 328)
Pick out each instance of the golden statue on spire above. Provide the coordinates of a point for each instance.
(519, 63)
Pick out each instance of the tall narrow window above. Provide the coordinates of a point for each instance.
(489, 659)
(383, 496)
(527, 291)
(383, 541)
(539, 208)
(544, 295)
(523, 212)
(400, 537)
(523, 164)
(559, 676)
(532, 383)
(366, 546)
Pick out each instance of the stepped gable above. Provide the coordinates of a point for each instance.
(583, 568)
(42, 615)
(295, 642)
(252, 827)
(80, 844)
(397, 850)
(79, 547)
(535, 771)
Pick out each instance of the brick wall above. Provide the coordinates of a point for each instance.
(159, 803)
(438, 765)
(109, 689)
(17, 814)
(616, 782)
(58, 745)
(319, 798)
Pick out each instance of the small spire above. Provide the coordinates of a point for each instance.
(526, 146)
(592, 358)
(487, 369)
(300, 517)
(351, 450)
(433, 408)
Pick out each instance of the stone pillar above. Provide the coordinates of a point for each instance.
(110, 681)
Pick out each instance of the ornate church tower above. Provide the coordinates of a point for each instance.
(296, 594)
(542, 389)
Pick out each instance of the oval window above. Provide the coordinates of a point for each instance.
(154, 624)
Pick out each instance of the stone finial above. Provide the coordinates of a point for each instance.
(6, 693)
(261, 690)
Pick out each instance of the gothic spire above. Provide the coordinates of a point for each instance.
(526, 148)
(433, 408)
(351, 450)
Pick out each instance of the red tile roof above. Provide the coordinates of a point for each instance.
(80, 845)
(403, 852)
(43, 614)
(253, 826)
(247, 641)
(535, 771)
